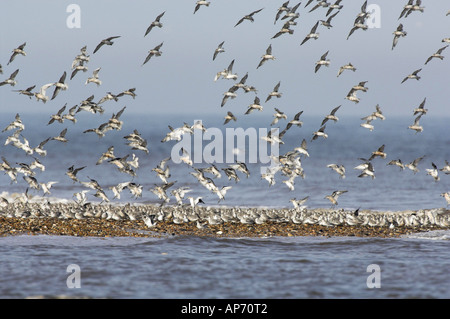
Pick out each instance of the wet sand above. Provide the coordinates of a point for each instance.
(113, 228)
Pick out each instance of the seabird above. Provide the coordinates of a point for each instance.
(351, 96)
(114, 122)
(302, 149)
(292, 12)
(231, 174)
(72, 172)
(227, 73)
(107, 41)
(413, 165)
(361, 86)
(32, 182)
(415, 7)
(416, 126)
(61, 137)
(81, 197)
(16, 51)
(108, 97)
(129, 92)
(58, 116)
(213, 170)
(155, 23)
(298, 203)
(267, 56)
(327, 23)
(41, 94)
(94, 78)
(71, 114)
(446, 168)
(358, 24)
(229, 94)
(312, 34)
(136, 141)
(100, 131)
(331, 116)
(222, 192)
(406, 8)
(433, 172)
(248, 17)
(60, 85)
(27, 91)
(421, 108)
(242, 167)
(274, 92)
(256, 105)
(334, 196)
(109, 154)
(179, 194)
(241, 83)
(153, 52)
(276, 139)
(283, 8)
(229, 117)
(397, 163)
(295, 121)
(80, 59)
(11, 80)
(218, 50)
(277, 116)
(160, 191)
(320, 132)
(340, 169)
(447, 197)
(319, 4)
(368, 171)
(378, 113)
(348, 66)
(397, 34)
(323, 61)
(80, 67)
(200, 3)
(47, 186)
(336, 5)
(437, 54)
(413, 75)
(285, 29)
(39, 149)
(269, 175)
(379, 152)
(368, 122)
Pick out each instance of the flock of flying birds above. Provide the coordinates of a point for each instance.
(288, 164)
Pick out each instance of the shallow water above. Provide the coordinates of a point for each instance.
(192, 267)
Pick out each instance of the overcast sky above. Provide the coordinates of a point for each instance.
(182, 79)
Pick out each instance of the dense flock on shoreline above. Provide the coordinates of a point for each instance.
(190, 209)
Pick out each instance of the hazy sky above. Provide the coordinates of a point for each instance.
(182, 79)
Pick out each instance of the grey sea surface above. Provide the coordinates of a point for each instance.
(222, 268)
